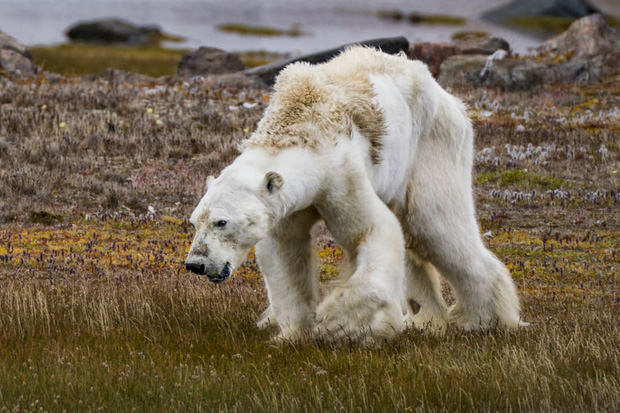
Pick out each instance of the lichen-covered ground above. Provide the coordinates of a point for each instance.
(97, 313)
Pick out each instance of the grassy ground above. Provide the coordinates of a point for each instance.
(97, 313)
(545, 25)
(71, 59)
(247, 30)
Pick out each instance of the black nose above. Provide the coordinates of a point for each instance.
(195, 268)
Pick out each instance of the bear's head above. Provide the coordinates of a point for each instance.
(233, 215)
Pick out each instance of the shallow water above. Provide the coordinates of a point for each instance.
(326, 23)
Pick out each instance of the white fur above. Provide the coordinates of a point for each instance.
(402, 220)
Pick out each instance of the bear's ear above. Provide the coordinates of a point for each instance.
(273, 182)
(209, 182)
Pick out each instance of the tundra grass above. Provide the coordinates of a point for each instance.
(97, 312)
(153, 60)
(417, 18)
(551, 24)
(86, 58)
(249, 30)
(100, 315)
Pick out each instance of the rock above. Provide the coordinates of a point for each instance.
(586, 37)
(15, 63)
(462, 70)
(569, 8)
(555, 8)
(10, 43)
(267, 73)
(14, 56)
(573, 71)
(513, 74)
(208, 60)
(433, 54)
(507, 74)
(481, 45)
(112, 30)
(588, 51)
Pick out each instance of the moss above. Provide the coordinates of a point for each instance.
(81, 58)
(462, 34)
(519, 178)
(248, 30)
(391, 15)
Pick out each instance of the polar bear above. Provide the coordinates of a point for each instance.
(371, 144)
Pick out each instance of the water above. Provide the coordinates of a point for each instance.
(327, 23)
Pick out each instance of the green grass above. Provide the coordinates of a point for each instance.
(520, 179)
(551, 23)
(81, 58)
(248, 30)
(72, 59)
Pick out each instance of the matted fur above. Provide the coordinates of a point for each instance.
(311, 105)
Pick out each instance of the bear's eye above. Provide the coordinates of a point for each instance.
(221, 223)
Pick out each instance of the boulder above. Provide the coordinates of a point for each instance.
(14, 56)
(569, 8)
(462, 71)
(556, 8)
(267, 73)
(585, 38)
(515, 74)
(481, 45)
(208, 60)
(588, 51)
(112, 30)
(434, 54)
(10, 43)
(465, 71)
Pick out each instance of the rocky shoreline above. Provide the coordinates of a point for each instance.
(587, 53)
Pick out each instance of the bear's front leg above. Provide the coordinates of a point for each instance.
(369, 302)
(287, 261)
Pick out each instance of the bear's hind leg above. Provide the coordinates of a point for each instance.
(442, 226)
(426, 308)
(486, 295)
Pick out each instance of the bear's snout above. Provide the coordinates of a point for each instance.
(195, 268)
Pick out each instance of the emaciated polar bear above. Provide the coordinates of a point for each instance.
(371, 144)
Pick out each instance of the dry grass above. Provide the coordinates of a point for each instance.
(96, 312)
